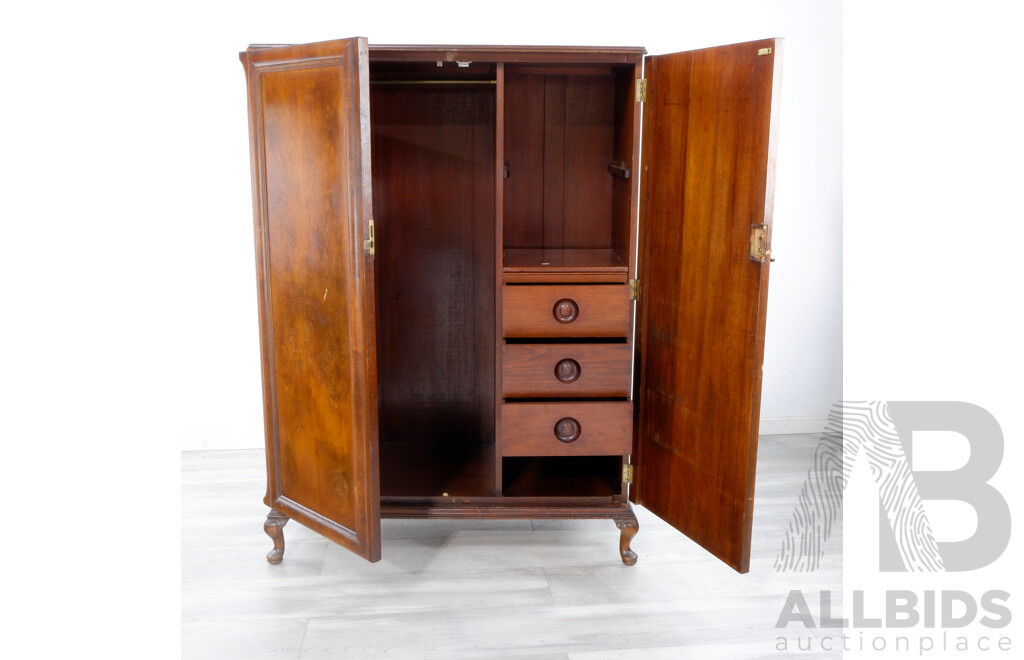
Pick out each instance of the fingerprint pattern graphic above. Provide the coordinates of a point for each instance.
(819, 503)
(854, 428)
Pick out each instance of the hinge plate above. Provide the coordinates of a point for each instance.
(759, 243)
(641, 90)
(369, 244)
(627, 473)
(634, 289)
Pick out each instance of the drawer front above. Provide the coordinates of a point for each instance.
(566, 370)
(568, 428)
(566, 311)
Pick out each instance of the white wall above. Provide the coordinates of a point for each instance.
(140, 311)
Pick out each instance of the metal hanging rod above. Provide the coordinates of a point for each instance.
(433, 82)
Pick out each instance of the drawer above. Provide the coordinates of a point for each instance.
(566, 370)
(571, 428)
(566, 311)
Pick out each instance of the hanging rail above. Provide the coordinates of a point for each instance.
(433, 82)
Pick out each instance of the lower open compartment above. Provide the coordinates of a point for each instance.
(562, 476)
(553, 487)
(434, 472)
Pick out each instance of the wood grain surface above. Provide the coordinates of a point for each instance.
(529, 370)
(709, 148)
(433, 193)
(309, 123)
(559, 266)
(528, 429)
(604, 311)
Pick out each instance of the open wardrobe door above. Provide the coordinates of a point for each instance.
(310, 139)
(710, 126)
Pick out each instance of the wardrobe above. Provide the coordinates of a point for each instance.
(512, 282)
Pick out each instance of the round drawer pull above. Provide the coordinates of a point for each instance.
(567, 371)
(567, 429)
(566, 310)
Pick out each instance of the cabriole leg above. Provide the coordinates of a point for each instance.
(628, 527)
(274, 527)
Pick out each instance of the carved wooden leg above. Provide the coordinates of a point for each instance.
(628, 527)
(274, 527)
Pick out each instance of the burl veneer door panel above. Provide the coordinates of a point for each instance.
(709, 152)
(309, 124)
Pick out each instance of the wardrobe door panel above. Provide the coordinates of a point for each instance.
(710, 125)
(309, 128)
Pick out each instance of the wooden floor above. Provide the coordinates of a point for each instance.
(485, 588)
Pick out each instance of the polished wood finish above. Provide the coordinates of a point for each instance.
(523, 163)
(568, 429)
(532, 370)
(561, 266)
(626, 150)
(309, 127)
(567, 371)
(628, 527)
(566, 310)
(530, 311)
(433, 188)
(536, 507)
(499, 232)
(544, 429)
(702, 307)
(495, 318)
(545, 55)
(274, 527)
(559, 141)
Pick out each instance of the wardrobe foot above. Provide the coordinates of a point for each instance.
(274, 527)
(628, 527)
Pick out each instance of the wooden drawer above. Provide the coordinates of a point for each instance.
(587, 428)
(566, 370)
(566, 311)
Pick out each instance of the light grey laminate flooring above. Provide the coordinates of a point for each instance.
(486, 588)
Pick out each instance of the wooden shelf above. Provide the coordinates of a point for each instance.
(563, 265)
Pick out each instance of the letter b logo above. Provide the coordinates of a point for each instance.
(967, 484)
(883, 433)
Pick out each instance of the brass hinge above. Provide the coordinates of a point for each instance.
(759, 243)
(627, 473)
(368, 244)
(634, 289)
(641, 90)
(764, 51)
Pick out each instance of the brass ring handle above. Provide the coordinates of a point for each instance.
(567, 429)
(566, 310)
(567, 371)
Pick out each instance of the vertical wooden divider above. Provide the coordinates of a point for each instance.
(499, 259)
